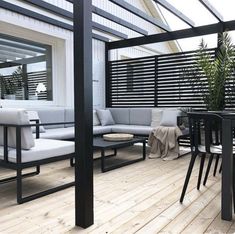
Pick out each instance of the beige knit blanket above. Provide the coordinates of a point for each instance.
(163, 142)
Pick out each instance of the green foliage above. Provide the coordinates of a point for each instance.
(217, 72)
(13, 83)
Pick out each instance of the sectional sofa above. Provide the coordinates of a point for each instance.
(126, 120)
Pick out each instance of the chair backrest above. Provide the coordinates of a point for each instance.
(204, 129)
(16, 116)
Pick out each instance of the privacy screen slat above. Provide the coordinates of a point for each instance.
(159, 81)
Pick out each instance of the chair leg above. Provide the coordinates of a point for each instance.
(233, 185)
(201, 171)
(19, 185)
(220, 169)
(189, 172)
(216, 164)
(72, 162)
(208, 169)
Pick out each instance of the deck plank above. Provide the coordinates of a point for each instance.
(141, 197)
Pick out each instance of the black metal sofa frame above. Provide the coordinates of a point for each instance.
(18, 166)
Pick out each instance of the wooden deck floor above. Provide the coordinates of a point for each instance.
(140, 198)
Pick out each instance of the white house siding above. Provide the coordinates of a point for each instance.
(61, 41)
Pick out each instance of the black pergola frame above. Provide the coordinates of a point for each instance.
(82, 18)
(82, 38)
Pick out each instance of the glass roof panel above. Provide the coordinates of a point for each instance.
(225, 8)
(192, 43)
(194, 10)
(173, 21)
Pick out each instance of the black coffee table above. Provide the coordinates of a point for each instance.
(103, 145)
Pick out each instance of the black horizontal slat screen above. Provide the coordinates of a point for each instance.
(176, 84)
(132, 82)
(159, 81)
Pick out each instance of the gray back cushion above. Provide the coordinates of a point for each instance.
(16, 116)
(105, 117)
(96, 121)
(140, 116)
(121, 115)
(69, 116)
(52, 115)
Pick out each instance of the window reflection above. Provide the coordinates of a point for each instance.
(24, 66)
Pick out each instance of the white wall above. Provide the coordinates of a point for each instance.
(61, 41)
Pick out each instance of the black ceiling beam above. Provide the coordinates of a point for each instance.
(175, 12)
(51, 8)
(99, 37)
(212, 10)
(169, 36)
(123, 4)
(46, 19)
(105, 29)
(118, 20)
(69, 15)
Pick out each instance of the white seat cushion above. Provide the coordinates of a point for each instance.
(44, 148)
(214, 149)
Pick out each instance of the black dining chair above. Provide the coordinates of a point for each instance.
(201, 133)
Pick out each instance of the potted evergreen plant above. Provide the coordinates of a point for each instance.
(217, 72)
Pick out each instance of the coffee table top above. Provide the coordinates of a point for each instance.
(100, 143)
(118, 137)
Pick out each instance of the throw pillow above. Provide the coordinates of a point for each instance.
(33, 115)
(96, 121)
(169, 118)
(156, 117)
(105, 117)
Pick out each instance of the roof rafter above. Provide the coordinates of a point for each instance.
(118, 20)
(175, 12)
(125, 5)
(212, 10)
(69, 15)
(48, 20)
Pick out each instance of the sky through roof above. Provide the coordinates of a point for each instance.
(201, 16)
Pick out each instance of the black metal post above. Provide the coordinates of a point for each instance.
(107, 78)
(84, 214)
(227, 174)
(156, 81)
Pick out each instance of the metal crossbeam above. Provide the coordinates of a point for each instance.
(123, 4)
(175, 11)
(212, 10)
(69, 15)
(170, 36)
